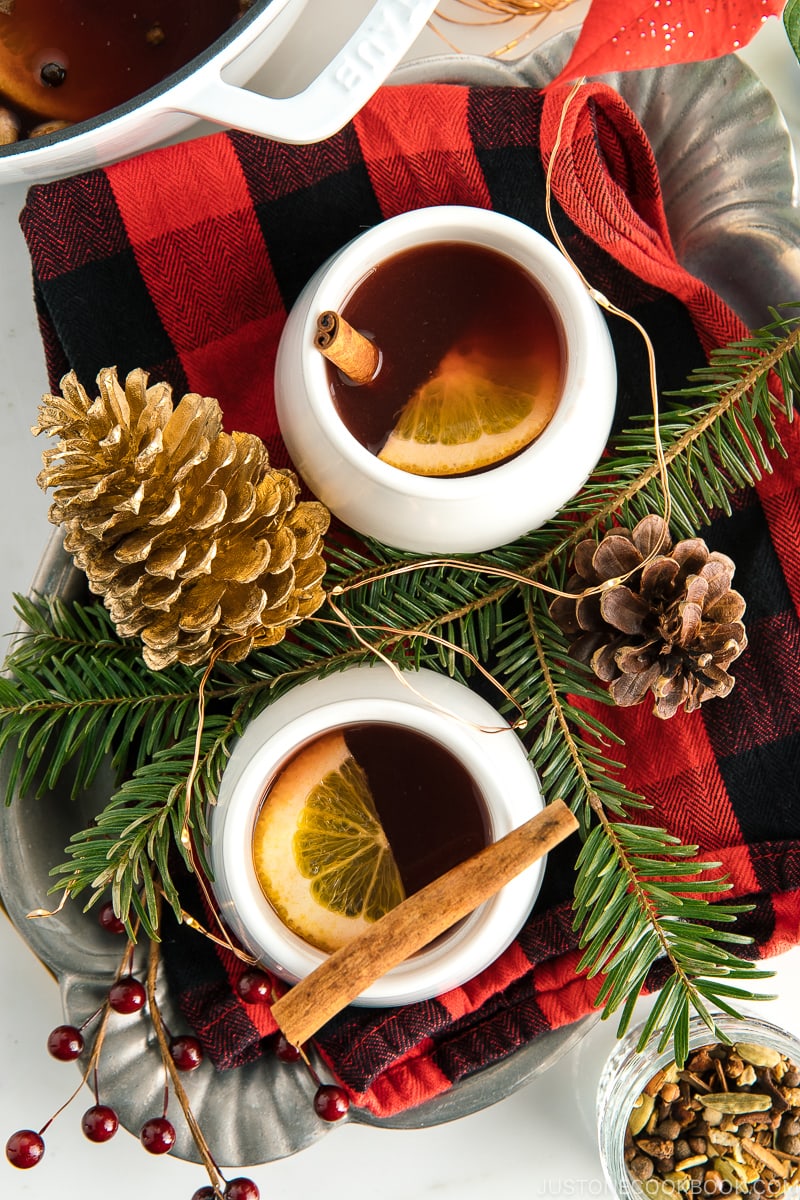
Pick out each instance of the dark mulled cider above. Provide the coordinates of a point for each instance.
(472, 359)
(358, 818)
(427, 802)
(67, 60)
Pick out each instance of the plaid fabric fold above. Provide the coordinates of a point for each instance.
(185, 260)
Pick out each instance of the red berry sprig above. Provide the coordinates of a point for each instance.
(127, 995)
(157, 1135)
(235, 1189)
(182, 1053)
(331, 1102)
(25, 1148)
(65, 1043)
(187, 1052)
(241, 1189)
(285, 1051)
(254, 987)
(108, 919)
(99, 1123)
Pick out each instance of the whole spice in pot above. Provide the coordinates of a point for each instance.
(69, 60)
(729, 1122)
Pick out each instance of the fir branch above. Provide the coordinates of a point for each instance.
(128, 847)
(637, 897)
(635, 905)
(727, 421)
(75, 695)
(568, 747)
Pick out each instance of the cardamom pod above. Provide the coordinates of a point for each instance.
(759, 1056)
(657, 1189)
(736, 1102)
(641, 1113)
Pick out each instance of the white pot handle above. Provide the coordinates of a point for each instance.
(335, 96)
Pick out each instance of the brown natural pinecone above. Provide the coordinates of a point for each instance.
(188, 534)
(672, 628)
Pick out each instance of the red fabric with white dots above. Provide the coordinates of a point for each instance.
(630, 34)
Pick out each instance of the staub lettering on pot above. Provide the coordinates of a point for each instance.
(379, 41)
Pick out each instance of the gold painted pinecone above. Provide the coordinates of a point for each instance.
(188, 534)
(672, 628)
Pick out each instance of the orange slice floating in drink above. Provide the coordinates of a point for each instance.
(468, 417)
(320, 852)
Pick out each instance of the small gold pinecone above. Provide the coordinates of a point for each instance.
(672, 628)
(188, 534)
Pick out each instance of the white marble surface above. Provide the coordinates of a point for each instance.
(538, 1142)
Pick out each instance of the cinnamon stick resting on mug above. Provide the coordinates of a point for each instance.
(415, 922)
(355, 355)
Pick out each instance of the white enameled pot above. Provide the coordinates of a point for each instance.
(210, 87)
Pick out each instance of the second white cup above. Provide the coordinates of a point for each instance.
(465, 513)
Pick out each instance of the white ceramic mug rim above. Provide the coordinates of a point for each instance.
(552, 273)
(455, 957)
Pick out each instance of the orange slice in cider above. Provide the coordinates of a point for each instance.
(470, 415)
(320, 853)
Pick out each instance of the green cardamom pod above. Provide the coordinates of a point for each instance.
(736, 1102)
(641, 1113)
(759, 1056)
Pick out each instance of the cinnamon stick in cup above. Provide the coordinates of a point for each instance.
(355, 355)
(417, 921)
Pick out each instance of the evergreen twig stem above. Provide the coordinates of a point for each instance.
(216, 1177)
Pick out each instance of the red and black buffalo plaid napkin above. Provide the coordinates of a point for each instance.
(185, 260)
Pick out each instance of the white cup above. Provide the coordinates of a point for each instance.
(438, 707)
(465, 514)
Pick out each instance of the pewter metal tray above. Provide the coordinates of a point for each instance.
(727, 175)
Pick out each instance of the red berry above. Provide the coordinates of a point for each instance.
(285, 1051)
(99, 1123)
(206, 1193)
(186, 1051)
(254, 986)
(127, 995)
(241, 1189)
(65, 1043)
(157, 1135)
(109, 920)
(24, 1148)
(331, 1102)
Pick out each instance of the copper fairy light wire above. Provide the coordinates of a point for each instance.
(495, 12)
